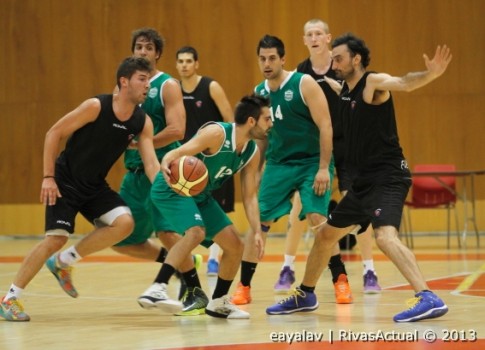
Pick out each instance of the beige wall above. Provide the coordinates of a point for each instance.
(60, 52)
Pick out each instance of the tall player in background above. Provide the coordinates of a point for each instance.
(165, 107)
(204, 101)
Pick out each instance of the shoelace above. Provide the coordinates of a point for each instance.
(412, 302)
(294, 294)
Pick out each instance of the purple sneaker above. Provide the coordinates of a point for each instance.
(371, 286)
(287, 278)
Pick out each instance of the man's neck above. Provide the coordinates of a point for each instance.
(355, 78)
(321, 62)
(275, 83)
(190, 83)
(154, 72)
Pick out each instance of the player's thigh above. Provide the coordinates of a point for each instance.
(176, 212)
(312, 203)
(215, 219)
(276, 189)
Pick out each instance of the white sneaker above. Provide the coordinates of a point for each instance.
(156, 297)
(223, 308)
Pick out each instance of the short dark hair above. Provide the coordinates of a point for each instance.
(250, 106)
(151, 35)
(188, 49)
(355, 45)
(269, 42)
(129, 66)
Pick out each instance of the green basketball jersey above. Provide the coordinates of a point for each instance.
(294, 138)
(227, 161)
(153, 106)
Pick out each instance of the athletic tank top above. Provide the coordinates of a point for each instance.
(372, 145)
(200, 108)
(154, 107)
(294, 137)
(92, 150)
(227, 161)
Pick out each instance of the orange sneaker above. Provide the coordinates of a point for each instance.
(343, 294)
(242, 295)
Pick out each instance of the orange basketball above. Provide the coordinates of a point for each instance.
(189, 176)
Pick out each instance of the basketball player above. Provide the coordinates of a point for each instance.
(226, 149)
(165, 107)
(381, 178)
(299, 151)
(317, 37)
(75, 181)
(204, 101)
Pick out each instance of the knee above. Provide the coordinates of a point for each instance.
(385, 239)
(124, 225)
(196, 234)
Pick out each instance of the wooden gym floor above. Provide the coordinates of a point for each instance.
(106, 315)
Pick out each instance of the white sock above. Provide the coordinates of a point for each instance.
(214, 252)
(289, 261)
(14, 292)
(69, 256)
(368, 265)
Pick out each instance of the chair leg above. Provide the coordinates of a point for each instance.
(448, 208)
(457, 227)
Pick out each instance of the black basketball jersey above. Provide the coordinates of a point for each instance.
(92, 150)
(372, 147)
(200, 108)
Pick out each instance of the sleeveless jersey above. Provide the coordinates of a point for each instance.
(92, 150)
(200, 108)
(371, 139)
(333, 106)
(227, 161)
(294, 138)
(154, 107)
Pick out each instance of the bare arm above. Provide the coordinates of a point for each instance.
(208, 139)
(174, 115)
(317, 103)
(85, 113)
(334, 84)
(147, 150)
(249, 190)
(220, 99)
(411, 81)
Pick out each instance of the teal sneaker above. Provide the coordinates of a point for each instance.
(12, 310)
(62, 274)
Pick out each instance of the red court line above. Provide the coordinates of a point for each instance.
(276, 257)
(324, 345)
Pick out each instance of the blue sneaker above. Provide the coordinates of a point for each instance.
(424, 305)
(62, 274)
(299, 301)
(212, 267)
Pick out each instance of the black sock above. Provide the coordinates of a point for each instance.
(164, 274)
(337, 267)
(307, 289)
(191, 278)
(162, 256)
(222, 288)
(247, 272)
